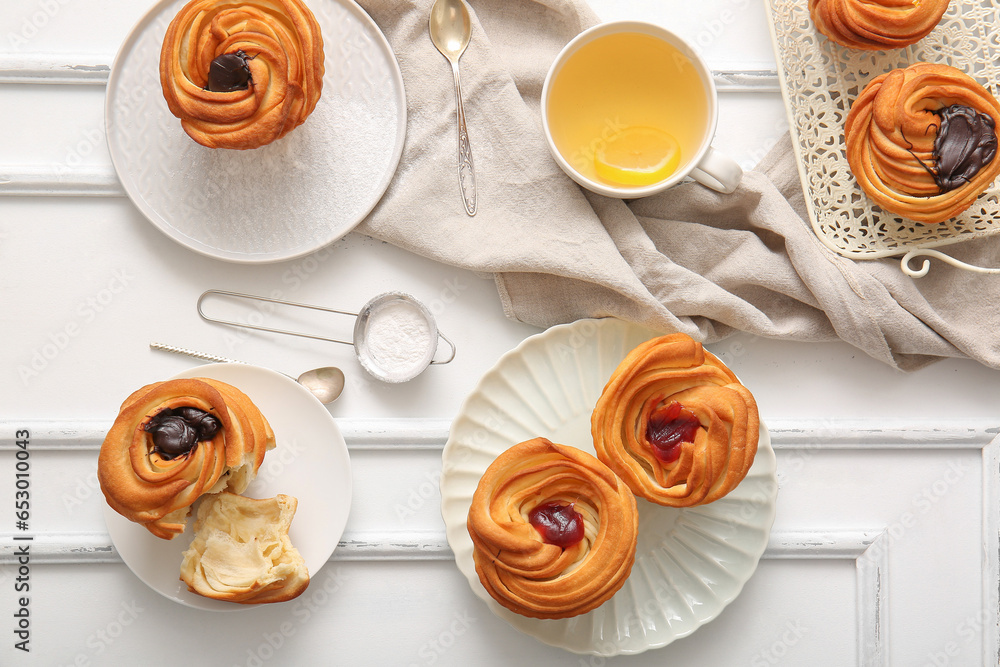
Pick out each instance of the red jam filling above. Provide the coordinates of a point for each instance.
(558, 524)
(667, 428)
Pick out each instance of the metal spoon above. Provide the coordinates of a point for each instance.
(326, 383)
(451, 30)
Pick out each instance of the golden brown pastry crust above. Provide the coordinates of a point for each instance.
(668, 369)
(890, 130)
(521, 571)
(876, 25)
(241, 551)
(283, 41)
(149, 489)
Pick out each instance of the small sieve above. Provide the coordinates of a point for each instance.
(395, 335)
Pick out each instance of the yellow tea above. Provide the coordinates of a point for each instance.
(628, 109)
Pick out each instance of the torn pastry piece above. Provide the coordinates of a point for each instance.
(173, 442)
(241, 551)
(876, 25)
(676, 424)
(922, 142)
(554, 530)
(242, 73)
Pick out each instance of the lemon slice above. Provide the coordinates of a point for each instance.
(637, 156)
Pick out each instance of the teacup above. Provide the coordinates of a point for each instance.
(629, 109)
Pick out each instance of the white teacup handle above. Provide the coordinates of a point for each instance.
(718, 171)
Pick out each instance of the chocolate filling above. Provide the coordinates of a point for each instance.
(229, 72)
(966, 142)
(175, 431)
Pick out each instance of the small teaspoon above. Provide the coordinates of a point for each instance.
(325, 383)
(451, 30)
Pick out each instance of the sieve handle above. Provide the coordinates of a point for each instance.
(450, 344)
(252, 297)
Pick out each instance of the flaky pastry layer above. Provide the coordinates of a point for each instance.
(876, 25)
(516, 566)
(242, 552)
(284, 46)
(661, 371)
(143, 486)
(890, 133)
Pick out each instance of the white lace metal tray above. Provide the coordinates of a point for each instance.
(819, 81)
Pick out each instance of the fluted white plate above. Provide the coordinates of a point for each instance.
(690, 563)
(279, 201)
(309, 461)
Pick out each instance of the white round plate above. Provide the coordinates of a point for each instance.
(280, 201)
(690, 563)
(309, 461)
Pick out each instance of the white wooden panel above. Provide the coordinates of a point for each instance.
(897, 525)
(886, 546)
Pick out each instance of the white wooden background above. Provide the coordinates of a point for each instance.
(884, 550)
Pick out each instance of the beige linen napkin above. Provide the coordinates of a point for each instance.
(687, 260)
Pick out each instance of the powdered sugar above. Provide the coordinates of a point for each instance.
(399, 340)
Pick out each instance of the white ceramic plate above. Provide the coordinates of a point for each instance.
(280, 201)
(690, 563)
(309, 461)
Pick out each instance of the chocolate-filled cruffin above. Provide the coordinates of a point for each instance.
(242, 74)
(922, 143)
(175, 441)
